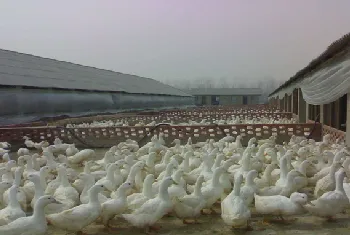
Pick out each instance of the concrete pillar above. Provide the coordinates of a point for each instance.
(301, 107)
(285, 106)
(348, 121)
(292, 98)
(281, 104)
(322, 113)
(306, 112)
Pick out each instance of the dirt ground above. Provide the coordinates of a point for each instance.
(213, 224)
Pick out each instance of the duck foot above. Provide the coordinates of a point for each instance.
(265, 222)
(218, 203)
(285, 221)
(212, 211)
(110, 229)
(81, 233)
(196, 221)
(155, 228)
(169, 215)
(331, 219)
(205, 212)
(249, 228)
(186, 221)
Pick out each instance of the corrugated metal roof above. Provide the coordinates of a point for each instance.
(225, 91)
(17, 69)
(337, 47)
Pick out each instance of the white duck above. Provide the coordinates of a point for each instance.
(80, 157)
(327, 168)
(280, 205)
(330, 203)
(327, 183)
(154, 209)
(249, 188)
(225, 178)
(136, 200)
(286, 190)
(178, 188)
(190, 206)
(35, 224)
(3, 187)
(89, 181)
(23, 151)
(88, 213)
(165, 161)
(265, 180)
(102, 164)
(29, 188)
(114, 207)
(303, 182)
(78, 184)
(283, 172)
(167, 173)
(71, 150)
(278, 172)
(54, 184)
(110, 181)
(8, 176)
(50, 159)
(39, 192)
(21, 196)
(29, 168)
(213, 191)
(13, 211)
(72, 174)
(65, 193)
(303, 152)
(234, 211)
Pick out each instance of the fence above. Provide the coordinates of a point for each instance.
(109, 136)
(334, 133)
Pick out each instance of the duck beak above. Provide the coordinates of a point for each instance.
(175, 182)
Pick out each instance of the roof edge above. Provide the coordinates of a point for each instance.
(87, 66)
(332, 51)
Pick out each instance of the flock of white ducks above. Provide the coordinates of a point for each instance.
(142, 184)
(233, 120)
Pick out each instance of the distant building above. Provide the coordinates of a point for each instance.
(33, 87)
(225, 96)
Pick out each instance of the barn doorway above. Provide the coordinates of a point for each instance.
(215, 100)
(245, 99)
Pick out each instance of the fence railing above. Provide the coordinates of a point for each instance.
(334, 133)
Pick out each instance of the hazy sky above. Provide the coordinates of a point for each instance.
(177, 39)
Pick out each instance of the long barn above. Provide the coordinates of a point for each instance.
(33, 87)
(320, 91)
